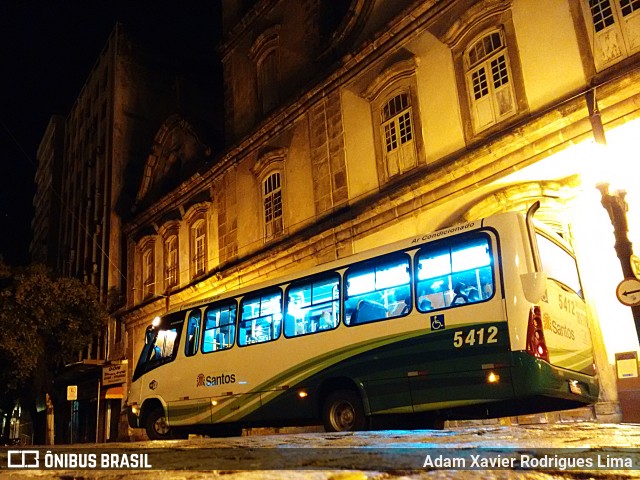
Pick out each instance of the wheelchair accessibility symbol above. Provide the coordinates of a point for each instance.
(437, 322)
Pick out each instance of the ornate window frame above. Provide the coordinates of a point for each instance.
(269, 172)
(489, 80)
(487, 68)
(170, 234)
(265, 53)
(198, 239)
(396, 119)
(147, 257)
(613, 28)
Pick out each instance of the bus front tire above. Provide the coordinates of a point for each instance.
(343, 412)
(156, 426)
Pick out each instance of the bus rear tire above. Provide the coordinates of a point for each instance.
(343, 412)
(156, 426)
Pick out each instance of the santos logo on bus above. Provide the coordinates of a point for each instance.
(213, 380)
(558, 328)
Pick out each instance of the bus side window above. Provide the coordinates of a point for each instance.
(219, 327)
(312, 305)
(380, 290)
(261, 318)
(193, 333)
(454, 275)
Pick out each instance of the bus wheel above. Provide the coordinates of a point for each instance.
(156, 426)
(343, 412)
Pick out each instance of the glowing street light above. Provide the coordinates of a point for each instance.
(615, 204)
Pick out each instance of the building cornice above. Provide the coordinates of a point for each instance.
(406, 27)
(255, 13)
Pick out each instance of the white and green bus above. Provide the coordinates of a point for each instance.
(483, 319)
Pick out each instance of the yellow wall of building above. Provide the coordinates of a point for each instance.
(359, 149)
(548, 48)
(438, 97)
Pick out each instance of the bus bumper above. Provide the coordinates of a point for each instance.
(534, 377)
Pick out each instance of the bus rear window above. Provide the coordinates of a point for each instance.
(454, 274)
(558, 264)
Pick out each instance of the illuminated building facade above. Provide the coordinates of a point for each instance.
(87, 162)
(353, 123)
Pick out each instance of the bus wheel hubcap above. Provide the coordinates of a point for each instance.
(344, 416)
(161, 426)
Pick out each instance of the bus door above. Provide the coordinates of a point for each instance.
(186, 404)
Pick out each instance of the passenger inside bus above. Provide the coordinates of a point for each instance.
(257, 334)
(472, 295)
(326, 321)
(425, 304)
(460, 296)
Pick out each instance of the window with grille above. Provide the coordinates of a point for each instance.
(199, 247)
(615, 29)
(272, 201)
(171, 261)
(489, 82)
(148, 271)
(397, 135)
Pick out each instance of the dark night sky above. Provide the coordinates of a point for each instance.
(47, 49)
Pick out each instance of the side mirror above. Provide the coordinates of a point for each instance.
(534, 285)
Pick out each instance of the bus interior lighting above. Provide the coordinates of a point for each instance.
(155, 322)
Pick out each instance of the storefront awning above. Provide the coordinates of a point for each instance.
(113, 393)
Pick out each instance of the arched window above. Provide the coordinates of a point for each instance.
(272, 202)
(148, 271)
(268, 81)
(489, 80)
(265, 53)
(199, 247)
(171, 261)
(270, 174)
(396, 116)
(397, 134)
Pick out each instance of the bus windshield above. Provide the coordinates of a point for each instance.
(161, 344)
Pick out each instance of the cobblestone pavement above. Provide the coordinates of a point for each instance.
(567, 451)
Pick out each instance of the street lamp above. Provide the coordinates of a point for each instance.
(615, 204)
